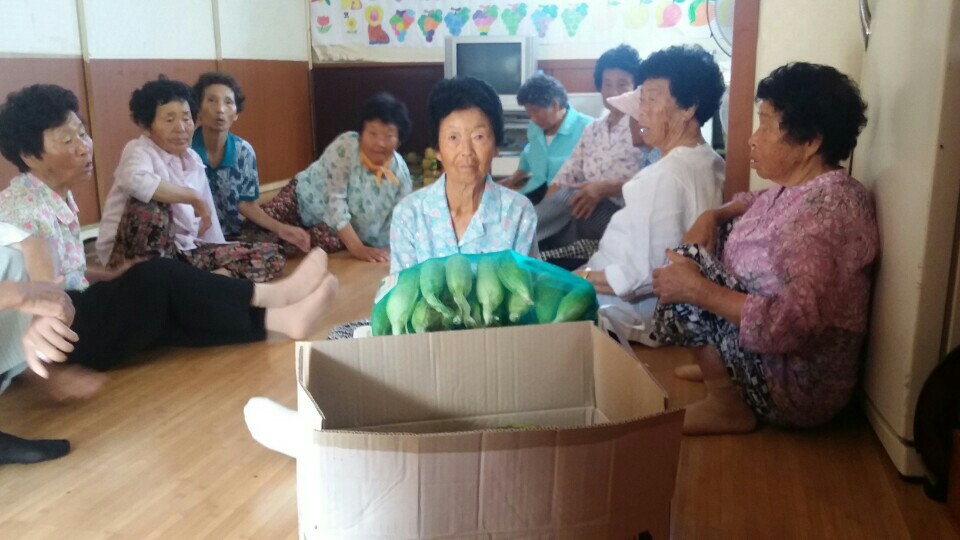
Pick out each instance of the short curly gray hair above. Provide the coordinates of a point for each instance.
(542, 90)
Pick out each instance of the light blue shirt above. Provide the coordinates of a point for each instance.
(338, 190)
(543, 161)
(422, 227)
(13, 323)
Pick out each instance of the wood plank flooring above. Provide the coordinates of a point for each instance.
(162, 452)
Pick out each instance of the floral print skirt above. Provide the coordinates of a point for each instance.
(145, 231)
(687, 325)
(285, 208)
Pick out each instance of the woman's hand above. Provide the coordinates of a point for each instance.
(679, 282)
(703, 232)
(370, 254)
(586, 199)
(295, 236)
(203, 212)
(47, 340)
(46, 299)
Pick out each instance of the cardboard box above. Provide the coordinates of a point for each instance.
(409, 437)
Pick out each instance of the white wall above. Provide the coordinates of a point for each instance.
(39, 28)
(264, 29)
(169, 29)
(818, 31)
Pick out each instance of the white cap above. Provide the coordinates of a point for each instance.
(628, 103)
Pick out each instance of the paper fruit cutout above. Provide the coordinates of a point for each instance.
(401, 21)
(429, 22)
(543, 17)
(512, 16)
(484, 18)
(572, 17)
(455, 19)
(669, 15)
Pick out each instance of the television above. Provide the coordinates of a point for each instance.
(503, 62)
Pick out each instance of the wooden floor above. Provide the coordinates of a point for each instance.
(162, 452)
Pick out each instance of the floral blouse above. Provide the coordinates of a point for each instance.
(338, 190)
(31, 205)
(423, 228)
(804, 255)
(604, 153)
(233, 181)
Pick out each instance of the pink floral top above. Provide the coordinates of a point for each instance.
(804, 255)
(32, 206)
(604, 153)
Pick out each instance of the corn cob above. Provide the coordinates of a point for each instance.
(489, 291)
(549, 292)
(460, 283)
(402, 299)
(432, 280)
(424, 317)
(379, 322)
(517, 307)
(515, 279)
(575, 304)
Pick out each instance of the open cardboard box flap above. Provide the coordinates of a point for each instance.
(405, 437)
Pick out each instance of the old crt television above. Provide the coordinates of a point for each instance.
(503, 62)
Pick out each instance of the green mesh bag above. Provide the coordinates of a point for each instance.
(480, 291)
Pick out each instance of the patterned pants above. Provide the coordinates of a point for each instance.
(145, 231)
(687, 325)
(556, 226)
(286, 209)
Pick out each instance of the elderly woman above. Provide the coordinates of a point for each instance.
(680, 90)
(147, 305)
(778, 312)
(588, 188)
(231, 164)
(554, 130)
(346, 198)
(160, 202)
(464, 211)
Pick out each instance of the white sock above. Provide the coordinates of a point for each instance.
(272, 425)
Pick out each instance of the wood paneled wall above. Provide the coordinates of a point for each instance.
(339, 91)
(742, 91)
(68, 73)
(576, 75)
(276, 118)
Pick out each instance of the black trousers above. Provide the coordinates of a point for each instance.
(161, 302)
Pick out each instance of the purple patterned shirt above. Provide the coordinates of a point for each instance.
(804, 254)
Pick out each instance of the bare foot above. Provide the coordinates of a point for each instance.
(689, 372)
(723, 411)
(310, 273)
(69, 382)
(299, 321)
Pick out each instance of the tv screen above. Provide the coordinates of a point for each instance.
(499, 64)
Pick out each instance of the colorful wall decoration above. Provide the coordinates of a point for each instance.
(425, 23)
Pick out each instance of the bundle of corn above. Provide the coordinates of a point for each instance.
(480, 291)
